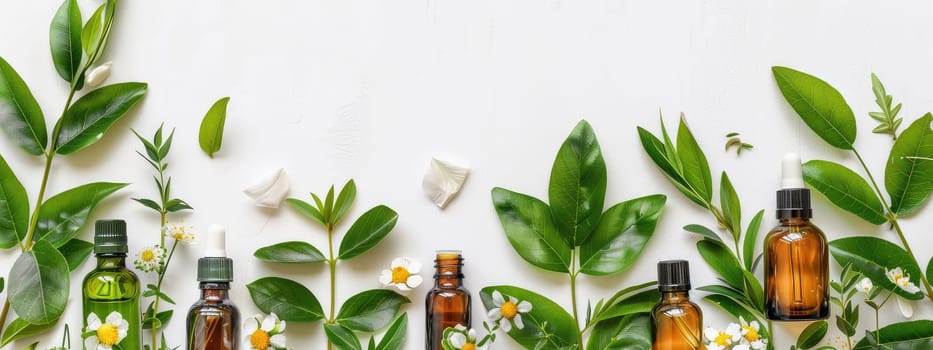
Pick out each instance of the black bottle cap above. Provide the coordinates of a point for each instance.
(674, 276)
(110, 237)
(215, 269)
(794, 203)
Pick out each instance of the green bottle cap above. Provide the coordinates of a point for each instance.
(215, 269)
(110, 236)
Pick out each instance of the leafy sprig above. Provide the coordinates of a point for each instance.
(887, 117)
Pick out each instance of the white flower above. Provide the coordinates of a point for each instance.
(721, 340)
(749, 331)
(264, 333)
(463, 339)
(181, 233)
(508, 312)
(902, 280)
(865, 285)
(105, 334)
(150, 259)
(98, 75)
(403, 274)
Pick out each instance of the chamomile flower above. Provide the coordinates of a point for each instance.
(104, 335)
(865, 285)
(749, 331)
(508, 312)
(403, 274)
(902, 280)
(181, 233)
(265, 333)
(722, 340)
(463, 339)
(150, 259)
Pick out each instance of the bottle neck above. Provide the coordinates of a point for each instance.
(448, 273)
(675, 296)
(111, 260)
(215, 290)
(794, 220)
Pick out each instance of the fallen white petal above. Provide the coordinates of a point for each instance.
(270, 190)
(443, 181)
(98, 75)
(906, 307)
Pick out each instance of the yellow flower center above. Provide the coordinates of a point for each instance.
(178, 236)
(723, 339)
(147, 255)
(400, 275)
(468, 346)
(751, 334)
(509, 310)
(259, 339)
(108, 334)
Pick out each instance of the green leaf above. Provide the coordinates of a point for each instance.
(288, 299)
(754, 290)
(176, 204)
(329, 205)
(929, 271)
(844, 326)
(306, 209)
(528, 226)
(159, 321)
(76, 252)
(395, 335)
(559, 324)
(656, 150)
(577, 186)
(751, 240)
(65, 40)
(703, 231)
(19, 329)
(290, 252)
(368, 230)
(911, 335)
(820, 105)
(211, 133)
(93, 31)
(723, 261)
(151, 204)
(622, 333)
(370, 310)
(731, 207)
(909, 180)
(39, 284)
(86, 121)
(154, 291)
(734, 294)
(345, 200)
(845, 188)
(812, 335)
(14, 208)
(641, 302)
(871, 256)
(1, 284)
(888, 116)
(621, 236)
(20, 115)
(65, 214)
(342, 337)
(736, 310)
(695, 167)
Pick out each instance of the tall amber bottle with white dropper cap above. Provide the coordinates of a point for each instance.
(213, 321)
(796, 254)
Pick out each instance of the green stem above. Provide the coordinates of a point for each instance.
(332, 262)
(162, 270)
(573, 297)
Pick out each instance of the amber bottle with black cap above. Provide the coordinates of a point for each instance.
(676, 321)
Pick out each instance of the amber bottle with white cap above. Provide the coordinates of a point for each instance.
(213, 321)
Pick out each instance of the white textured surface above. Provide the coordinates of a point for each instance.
(371, 90)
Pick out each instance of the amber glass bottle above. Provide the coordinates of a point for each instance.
(676, 320)
(213, 321)
(448, 303)
(796, 258)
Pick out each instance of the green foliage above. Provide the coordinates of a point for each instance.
(65, 214)
(820, 106)
(368, 230)
(622, 333)
(900, 336)
(14, 208)
(65, 40)
(342, 337)
(531, 231)
(288, 299)
(547, 324)
(812, 335)
(621, 236)
(39, 284)
(887, 118)
(20, 115)
(211, 134)
(394, 335)
(20, 329)
(872, 257)
(577, 186)
(845, 189)
(76, 251)
(290, 252)
(908, 177)
(370, 310)
(86, 121)
(848, 319)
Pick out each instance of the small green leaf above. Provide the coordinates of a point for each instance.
(329, 205)
(731, 207)
(175, 204)
(1, 285)
(212, 127)
(723, 261)
(750, 243)
(159, 321)
(528, 226)
(845, 327)
(151, 204)
(306, 209)
(812, 335)
(911, 335)
(344, 200)
(39, 282)
(845, 188)
(544, 311)
(695, 167)
(656, 151)
(19, 329)
(929, 271)
(888, 116)
(368, 230)
(577, 187)
(14, 208)
(909, 180)
(342, 337)
(754, 290)
(76, 252)
(621, 236)
(872, 256)
(642, 302)
(290, 252)
(734, 294)
(622, 333)
(370, 310)
(65, 40)
(703, 231)
(395, 335)
(288, 299)
(20, 115)
(86, 121)
(154, 291)
(93, 31)
(820, 106)
(65, 214)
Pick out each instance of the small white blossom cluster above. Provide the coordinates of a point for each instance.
(742, 336)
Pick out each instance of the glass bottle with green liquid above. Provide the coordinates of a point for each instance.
(110, 293)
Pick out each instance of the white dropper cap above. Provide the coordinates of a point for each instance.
(216, 242)
(791, 174)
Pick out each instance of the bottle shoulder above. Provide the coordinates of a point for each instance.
(676, 308)
(797, 230)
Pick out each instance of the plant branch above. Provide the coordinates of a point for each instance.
(332, 262)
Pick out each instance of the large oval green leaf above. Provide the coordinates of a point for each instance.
(368, 230)
(19, 329)
(86, 121)
(812, 335)
(39, 284)
(750, 243)
(622, 333)
(211, 133)
(528, 226)
(872, 257)
(288, 299)
(577, 188)
(912, 335)
(723, 261)
(290, 252)
(342, 337)
(76, 251)
(909, 180)
(695, 167)
(20, 115)
(14, 207)
(845, 188)
(395, 335)
(62, 216)
(621, 236)
(65, 40)
(370, 310)
(559, 323)
(820, 106)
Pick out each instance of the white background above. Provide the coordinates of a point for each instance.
(371, 90)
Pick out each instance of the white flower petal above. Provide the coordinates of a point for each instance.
(115, 318)
(497, 298)
(268, 324)
(443, 181)
(514, 300)
(906, 307)
(270, 190)
(93, 322)
(386, 277)
(277, 340)
(471, 335)
(414, 281)
(399, 262)
(414, 266)
(710, 333)
(402, 287)
(252, 324)
(524, 306)
(518, 321)
(505, 325)
(90, 342)
(458, 340)
(280, 328)
(494, 314)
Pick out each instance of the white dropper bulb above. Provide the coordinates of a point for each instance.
(216, 242)
(791, 174)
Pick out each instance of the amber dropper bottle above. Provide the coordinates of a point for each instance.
(796, 255)
(676, 320)
(213, 321)
(448, 303)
